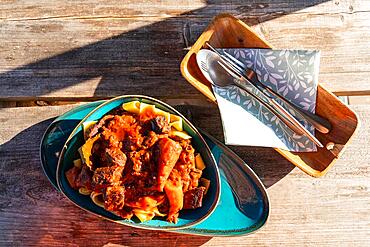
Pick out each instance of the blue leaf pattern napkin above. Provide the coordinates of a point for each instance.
(291, 73)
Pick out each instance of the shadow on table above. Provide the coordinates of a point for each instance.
(146, 58)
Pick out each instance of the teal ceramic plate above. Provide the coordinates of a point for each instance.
(243, 207)
(186, 218)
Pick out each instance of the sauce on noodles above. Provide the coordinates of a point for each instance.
(136, 164)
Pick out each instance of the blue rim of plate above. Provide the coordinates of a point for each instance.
(234, 215)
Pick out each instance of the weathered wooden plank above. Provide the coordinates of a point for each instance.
(33, 9)
(116, 51)
(333, 210)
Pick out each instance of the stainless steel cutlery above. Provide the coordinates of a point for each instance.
(225, 70)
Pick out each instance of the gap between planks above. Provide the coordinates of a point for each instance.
(56, 101)
(162, 16)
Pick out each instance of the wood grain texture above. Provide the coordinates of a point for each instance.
(83, 50)
(333, 210)
(54, 49)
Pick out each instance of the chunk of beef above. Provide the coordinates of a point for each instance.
(194, 198)
(150, 139)
(166, 154)
(140, 161)
(98, 154)
(160, 125)
(106, 176)
(114, 156)
(104, 155)
(72, 175)
(132, 143)
(111, 138)
(84, 178)
(120, 127)
(101, 123)
(114, 198)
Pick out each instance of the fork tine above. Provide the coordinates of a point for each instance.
(239, 64)
(235, 66)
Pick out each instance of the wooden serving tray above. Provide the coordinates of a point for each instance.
(226, 31)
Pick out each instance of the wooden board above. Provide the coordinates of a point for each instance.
(59, 49)
(227, 31)
(332, 210)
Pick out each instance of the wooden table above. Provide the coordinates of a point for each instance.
(56, 53)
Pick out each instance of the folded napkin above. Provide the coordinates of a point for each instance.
(291, 73)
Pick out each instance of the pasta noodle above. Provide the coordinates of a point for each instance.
(85, 150)
(87, 128)
(84, 191)
(176, 122)
(143, 215)
(133, 107)
(157, 213)
(97, 198)
(181, 134)
(199, 163)
(139, 161)
(175, 118)
(146, 107)
(167, 115)
(77, 163)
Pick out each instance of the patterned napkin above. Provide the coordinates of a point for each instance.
(291, 73)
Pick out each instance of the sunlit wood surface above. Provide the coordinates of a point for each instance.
(54, 54)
